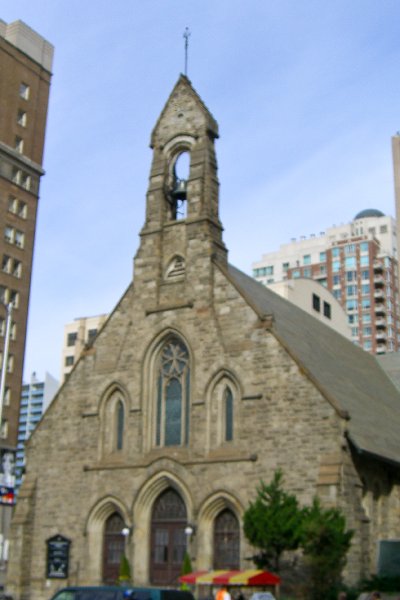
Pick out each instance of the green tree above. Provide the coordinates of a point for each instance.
(325, 542)
(272, 522)
(186, 568)
(124, 577)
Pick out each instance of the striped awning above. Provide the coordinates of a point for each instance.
(249, 577)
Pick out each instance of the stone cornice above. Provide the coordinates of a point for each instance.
(23, 160)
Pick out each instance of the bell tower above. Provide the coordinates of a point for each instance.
(182, 234)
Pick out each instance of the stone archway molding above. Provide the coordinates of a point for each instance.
(211, 507)
(94, 529)
(142, 511)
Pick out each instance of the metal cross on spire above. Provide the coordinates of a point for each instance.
(186, 35)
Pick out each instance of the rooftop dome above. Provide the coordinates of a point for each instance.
(369, 212)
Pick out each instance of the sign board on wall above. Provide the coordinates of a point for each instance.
(57, 563)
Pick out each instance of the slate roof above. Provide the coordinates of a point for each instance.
(390, 363)
(350, 378)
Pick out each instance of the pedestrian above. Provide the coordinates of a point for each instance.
(375, 596)
(223, 594)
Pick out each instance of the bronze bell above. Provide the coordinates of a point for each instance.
(180, 189)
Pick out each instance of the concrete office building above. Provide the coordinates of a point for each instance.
(357, 262)
(35, 398)
(77, 335)
(25, 67)
(315, 299)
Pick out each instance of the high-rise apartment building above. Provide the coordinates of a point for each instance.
(358, 263)
(25, 72)
(35, 398)
(78, 335)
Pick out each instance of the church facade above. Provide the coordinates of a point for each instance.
(201, 383)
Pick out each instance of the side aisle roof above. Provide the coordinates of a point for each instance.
(350, 378)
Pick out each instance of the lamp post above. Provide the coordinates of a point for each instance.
(7, 336)
(126, 531)
(5, 514)
(189, 531)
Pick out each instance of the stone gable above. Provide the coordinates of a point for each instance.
(189, 388)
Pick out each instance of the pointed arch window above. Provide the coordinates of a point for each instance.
(119, 423)
(228, 408)
(113, 547)
(173, 395)
(226, 541)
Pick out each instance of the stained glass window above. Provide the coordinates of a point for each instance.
(226, 541)
(228, 415)
(172, 406)
(120, 425)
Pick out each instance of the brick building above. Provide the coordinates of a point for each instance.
(201, 382)
(25, 65)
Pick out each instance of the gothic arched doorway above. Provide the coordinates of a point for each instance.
(168, 541)
(113, 547)
(226, 541)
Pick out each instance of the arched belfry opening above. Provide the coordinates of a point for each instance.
(177, 194)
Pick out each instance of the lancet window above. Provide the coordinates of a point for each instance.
(228, 406)
(173, 394)
(226, 541)
(119, 425)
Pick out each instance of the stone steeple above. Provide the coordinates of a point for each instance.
(182, 234)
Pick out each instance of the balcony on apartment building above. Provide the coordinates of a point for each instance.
(380, 308)
(379, 280)
(378, 266)
(379, 295)
(381, 349)
(319, 275)
(380, 336)
(380, 323)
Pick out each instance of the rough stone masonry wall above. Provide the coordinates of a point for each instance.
(280, 418)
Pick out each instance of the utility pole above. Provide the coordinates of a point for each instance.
(5, 359)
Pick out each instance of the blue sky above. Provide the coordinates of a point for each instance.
(306, 94)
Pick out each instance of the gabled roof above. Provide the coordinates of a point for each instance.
(184, 82)
(390, 363)
(350, 378)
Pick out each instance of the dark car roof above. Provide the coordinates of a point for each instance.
(113, 592)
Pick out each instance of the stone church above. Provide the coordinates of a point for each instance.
(201, 383)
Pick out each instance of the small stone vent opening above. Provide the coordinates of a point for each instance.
(176, 268)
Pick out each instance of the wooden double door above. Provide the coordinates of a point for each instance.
(168, 540)
(113, 547)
